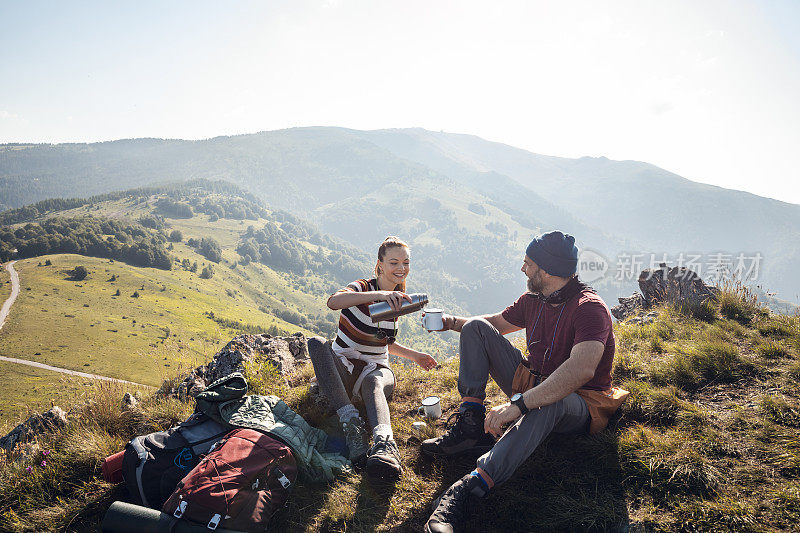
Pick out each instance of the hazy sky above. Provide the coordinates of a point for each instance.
(706, 89)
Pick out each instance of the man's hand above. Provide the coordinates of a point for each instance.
(499, 416)
(448, 322)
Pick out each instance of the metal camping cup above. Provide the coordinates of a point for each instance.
(383, 311)
(432, 320)
(431, 407)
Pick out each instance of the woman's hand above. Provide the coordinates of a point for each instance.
(393, 298)
(499, 416)
(426, 361)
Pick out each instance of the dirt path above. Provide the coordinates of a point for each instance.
(14, 292)
(4, 313)
(66, 371)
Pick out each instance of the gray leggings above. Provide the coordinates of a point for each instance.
(376, 388)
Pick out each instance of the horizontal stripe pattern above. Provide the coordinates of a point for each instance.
(356, 329)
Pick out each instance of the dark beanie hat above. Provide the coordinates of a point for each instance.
(555, 253)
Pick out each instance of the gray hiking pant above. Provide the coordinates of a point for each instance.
(484, 352)
(376, 388)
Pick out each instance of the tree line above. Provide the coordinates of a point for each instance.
(280, 246)
(90, 236)
(239, 205)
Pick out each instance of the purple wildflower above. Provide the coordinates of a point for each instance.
(44, 463)
(29, 469)
(46, 453)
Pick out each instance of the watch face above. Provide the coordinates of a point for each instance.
(516, 397)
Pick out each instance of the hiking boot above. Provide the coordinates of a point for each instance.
(451, 513)
(383, 460)
(355, 434)
(464, 434)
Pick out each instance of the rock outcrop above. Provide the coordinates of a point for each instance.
(664, 285)
(287, 354)
(129, 402)
(628, 306)
(53, 419)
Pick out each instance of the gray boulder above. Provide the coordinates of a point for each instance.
(659, 286)
(287, 354)
(49, 421)
(672, 285)
(628, 306)
(129, 402)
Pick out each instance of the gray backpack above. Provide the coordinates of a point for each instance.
(154, 464)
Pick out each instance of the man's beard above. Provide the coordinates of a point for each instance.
(535, 284)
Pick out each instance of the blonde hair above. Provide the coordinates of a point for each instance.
(390, 242)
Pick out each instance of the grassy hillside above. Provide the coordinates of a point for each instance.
(120, 319)
(708, 441)
(28, 390)
(5, 284)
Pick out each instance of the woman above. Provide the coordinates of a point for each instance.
(356, 364)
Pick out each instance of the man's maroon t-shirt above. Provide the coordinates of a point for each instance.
(584, 317)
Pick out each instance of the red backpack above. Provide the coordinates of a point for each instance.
(239, 485)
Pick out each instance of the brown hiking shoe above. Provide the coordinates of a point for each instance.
(383, 460)
(464, 434)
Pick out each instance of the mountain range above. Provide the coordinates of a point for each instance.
(468, 206)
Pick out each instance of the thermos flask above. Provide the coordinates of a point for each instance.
(382, 311)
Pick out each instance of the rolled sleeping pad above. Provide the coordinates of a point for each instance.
(123, 517)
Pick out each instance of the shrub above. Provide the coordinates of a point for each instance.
(705, 311)
(79, 273)
(738, 302)
(794, 370)
(210, 249)
(656, 345)
(263, 377)
(176, 235)
(656, 405)
(777, 409)
(772, 350)
(677, 370)
(718, 361)
(773, 328)
(207, 272)
(665, 463)
(710, 361)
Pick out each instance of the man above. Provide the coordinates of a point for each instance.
(563, 387)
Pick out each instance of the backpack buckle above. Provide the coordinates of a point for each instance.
(214, 522)
(181, 509)
(283, 479)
